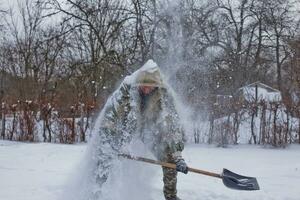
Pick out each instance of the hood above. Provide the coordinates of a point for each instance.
(149, 75)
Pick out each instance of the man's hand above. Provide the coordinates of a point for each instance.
(181, 166)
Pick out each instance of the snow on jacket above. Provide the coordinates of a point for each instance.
(153, 119)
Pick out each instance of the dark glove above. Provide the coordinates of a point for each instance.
(181, 166)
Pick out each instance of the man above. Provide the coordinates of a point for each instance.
(142, 107)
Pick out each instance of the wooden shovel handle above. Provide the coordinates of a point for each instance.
(169, 165)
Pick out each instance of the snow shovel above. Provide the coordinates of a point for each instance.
(230, 179)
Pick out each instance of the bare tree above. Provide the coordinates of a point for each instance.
(23, 41)
(279, 19)
(100, 23)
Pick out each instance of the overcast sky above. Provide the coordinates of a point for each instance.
(5, 4)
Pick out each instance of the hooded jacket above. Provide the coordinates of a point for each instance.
(153, 118)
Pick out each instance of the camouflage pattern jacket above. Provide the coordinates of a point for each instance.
(154, 120)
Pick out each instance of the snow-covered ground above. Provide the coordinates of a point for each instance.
(35, 171)
(41, 172)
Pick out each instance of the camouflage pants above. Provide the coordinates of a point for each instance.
(169, 179)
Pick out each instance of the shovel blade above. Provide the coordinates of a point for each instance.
(239, 182)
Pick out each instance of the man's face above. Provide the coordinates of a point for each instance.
(146, 89)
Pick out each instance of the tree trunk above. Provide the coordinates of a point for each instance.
(3, 121)
(49, 130)
(236, 125)
(227, 132)
(287, 128)
(13, 125)
(252, 128)
(275, 126)
(299, 132)
(196, 136)
(263, 124)
(82, 130)
(211, 129)
(73, 134)
(44, 130)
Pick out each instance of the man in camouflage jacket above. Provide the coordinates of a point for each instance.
(143, 107)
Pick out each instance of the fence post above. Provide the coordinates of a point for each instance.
(73, 133)
(3, 120)
(82, 131)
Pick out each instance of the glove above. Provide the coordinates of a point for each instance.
(181, 166)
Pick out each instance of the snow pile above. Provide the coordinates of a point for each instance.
(127, 180)
(130, 179)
